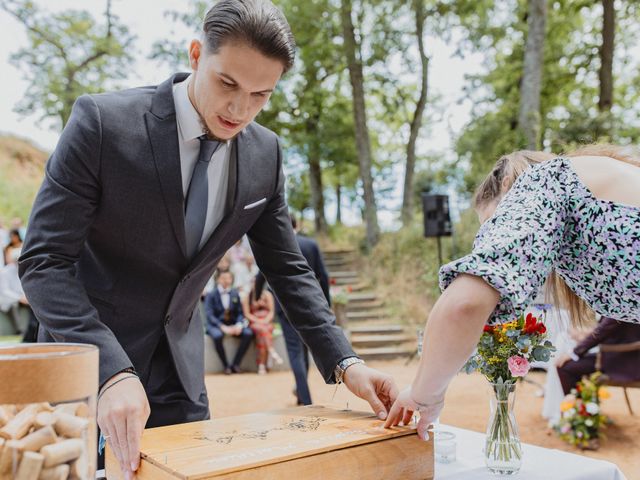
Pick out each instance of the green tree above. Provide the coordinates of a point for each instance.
(352, 49)
(569, 113)
(69, 53)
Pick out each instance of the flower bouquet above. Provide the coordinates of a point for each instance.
(503, 356)
(581, 419)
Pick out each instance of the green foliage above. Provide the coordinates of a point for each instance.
(69, 54)
(570, 81)
(21, 170)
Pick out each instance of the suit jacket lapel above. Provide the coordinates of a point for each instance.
(163, 134)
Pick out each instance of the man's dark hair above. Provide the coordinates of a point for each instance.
(258, 23)
(219, 273)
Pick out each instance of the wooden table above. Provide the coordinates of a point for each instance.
(297, 443)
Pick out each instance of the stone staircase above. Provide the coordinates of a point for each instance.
(374, 333)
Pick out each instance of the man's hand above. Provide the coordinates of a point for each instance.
(405, 405)
(375, 387)
(123, 410)
(226, 329)
(237, 329)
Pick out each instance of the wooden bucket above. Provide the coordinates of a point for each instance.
(48, 411)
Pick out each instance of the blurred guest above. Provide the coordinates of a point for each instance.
(260, 311)
(13, 248)
(616, 365)
(238, 252)
(244, 272)
(224, 316)
(296, 349)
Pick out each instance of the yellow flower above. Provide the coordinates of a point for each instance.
(603, 393)
(564, 406)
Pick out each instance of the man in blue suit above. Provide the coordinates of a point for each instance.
(223, 311)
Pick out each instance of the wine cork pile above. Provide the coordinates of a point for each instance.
(44, 442)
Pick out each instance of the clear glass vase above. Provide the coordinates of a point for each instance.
(503, 451)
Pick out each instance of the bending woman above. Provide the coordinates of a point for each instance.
(577, 215)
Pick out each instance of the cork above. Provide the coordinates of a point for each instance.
(61, 472)
(38, 439)
(30, 466)
(20, 425)
(44, 419)
(70, 425)
(9, 457)
(62, 452)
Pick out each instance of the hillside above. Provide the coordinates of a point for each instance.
(21, 170)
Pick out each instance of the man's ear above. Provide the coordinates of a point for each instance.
(195, 51)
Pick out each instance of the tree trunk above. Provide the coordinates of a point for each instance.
(606, 57)
(529, 116)
(338, 204)
(363, 143)
(317, 195)
(416, 122)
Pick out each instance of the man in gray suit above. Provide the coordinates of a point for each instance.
(144, 193)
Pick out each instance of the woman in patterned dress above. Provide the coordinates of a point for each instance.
(260, 312)
(576, 215)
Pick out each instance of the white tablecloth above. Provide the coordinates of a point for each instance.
(537, 463)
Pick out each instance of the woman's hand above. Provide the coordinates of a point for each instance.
(405, 405)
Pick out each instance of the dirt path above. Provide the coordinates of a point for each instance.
(467, 407)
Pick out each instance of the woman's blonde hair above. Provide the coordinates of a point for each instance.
(505, 172)
(508, 168)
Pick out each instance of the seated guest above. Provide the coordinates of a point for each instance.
(617, 366)
(260, 311)
(244, 272)
(224, 316)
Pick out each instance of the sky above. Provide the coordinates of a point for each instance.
(146, 20)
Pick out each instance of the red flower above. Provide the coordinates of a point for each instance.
(332, 281)
(488, 328)
(532, 326)
(349, 289)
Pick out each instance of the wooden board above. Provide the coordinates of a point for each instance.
(312, 442)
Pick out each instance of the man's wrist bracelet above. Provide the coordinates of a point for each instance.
(112, 384)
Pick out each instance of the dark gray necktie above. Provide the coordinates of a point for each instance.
(195, 213)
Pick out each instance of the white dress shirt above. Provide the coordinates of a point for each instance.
(189, 129)
(225, 297)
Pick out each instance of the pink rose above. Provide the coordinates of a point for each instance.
(518, 366)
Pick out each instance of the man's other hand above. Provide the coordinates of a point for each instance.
(375, 387)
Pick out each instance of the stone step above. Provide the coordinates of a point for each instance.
(345, 280)
(338, 251)
(385, 340)
(343, 274)
(378, 353)
(357, 288)
(367, 314)
(364, 305)
(362, 297)
(376, 329)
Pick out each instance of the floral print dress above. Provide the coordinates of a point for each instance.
(550, 220)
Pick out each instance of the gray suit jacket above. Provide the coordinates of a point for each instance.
(104, 260)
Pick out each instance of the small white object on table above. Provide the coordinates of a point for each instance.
(537, 463)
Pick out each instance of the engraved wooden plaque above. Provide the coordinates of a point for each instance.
(297, 443)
